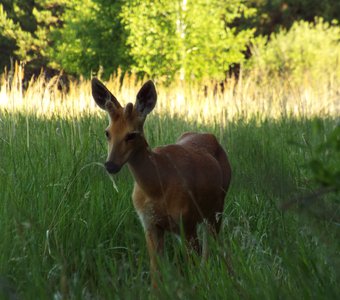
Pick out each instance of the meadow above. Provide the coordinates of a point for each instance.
(70, 232)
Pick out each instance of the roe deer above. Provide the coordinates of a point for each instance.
(176, 186)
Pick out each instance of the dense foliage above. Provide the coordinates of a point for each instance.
(25, 31)
(303, 53)
(197, 40)
(275, 14)
(194, 39)
(326, 156)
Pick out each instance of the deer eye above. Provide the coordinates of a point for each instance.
(131, 136)
(107, 134)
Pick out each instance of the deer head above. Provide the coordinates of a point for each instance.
(125, 133)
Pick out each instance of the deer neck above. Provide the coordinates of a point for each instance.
(144, 169)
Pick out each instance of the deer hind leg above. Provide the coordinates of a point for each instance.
(192, 241)
(214, 226)
(155, 244)
(205, 250)
(211, 226)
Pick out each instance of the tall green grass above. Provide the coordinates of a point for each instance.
(66, 233)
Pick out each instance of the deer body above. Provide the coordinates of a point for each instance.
(185, 182)
(176, 186)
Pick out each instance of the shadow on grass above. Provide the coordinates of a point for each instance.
(96, 237)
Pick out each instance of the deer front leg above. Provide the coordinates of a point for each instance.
(155, 243)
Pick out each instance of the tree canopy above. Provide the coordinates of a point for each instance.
(201, 39)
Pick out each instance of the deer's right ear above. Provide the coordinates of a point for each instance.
(101, 94)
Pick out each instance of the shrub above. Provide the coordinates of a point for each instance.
(308, 51)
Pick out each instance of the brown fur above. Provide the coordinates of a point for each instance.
(176, 185)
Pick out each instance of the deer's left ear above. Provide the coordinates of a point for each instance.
(146, 99)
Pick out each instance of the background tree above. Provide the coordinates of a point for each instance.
(193, 37)
(92, 37)
(275, 14)
(299, 54)
(25, 28)
(153, 36)
(159, 38)
(213, 44)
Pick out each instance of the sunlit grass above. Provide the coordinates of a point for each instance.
(248, 97)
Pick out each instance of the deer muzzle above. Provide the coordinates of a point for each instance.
(111, 167)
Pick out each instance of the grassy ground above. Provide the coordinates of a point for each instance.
(66, 233)
(66, 230)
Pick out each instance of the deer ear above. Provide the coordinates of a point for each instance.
(146, 99)
(101, 94)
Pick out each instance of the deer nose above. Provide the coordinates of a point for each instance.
(111, 167)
